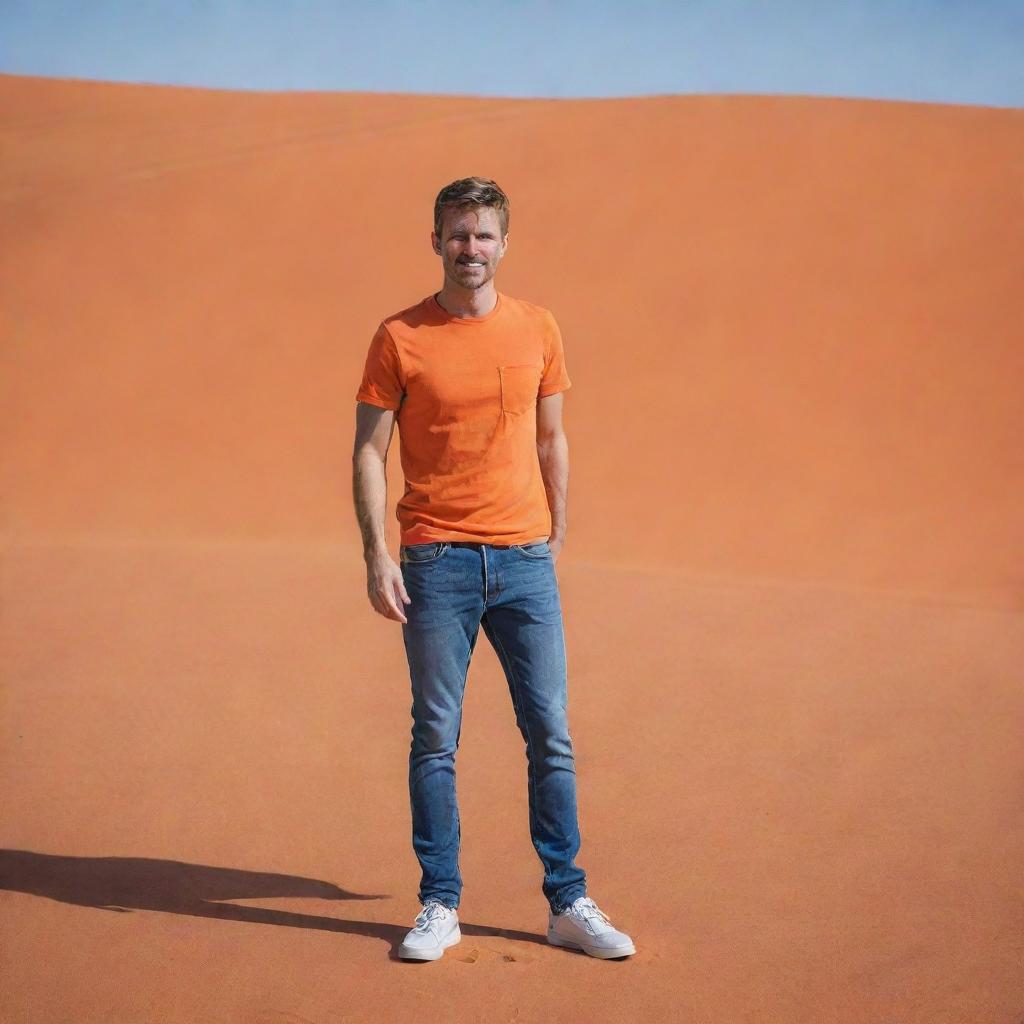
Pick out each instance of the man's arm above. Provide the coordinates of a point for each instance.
(384, 583)
(553, 451)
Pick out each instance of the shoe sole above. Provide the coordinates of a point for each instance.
(435, 953)
(601, 953)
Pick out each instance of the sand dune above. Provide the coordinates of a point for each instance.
(796, 323)
(793, 577)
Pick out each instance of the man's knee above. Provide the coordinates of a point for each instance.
(434, 737)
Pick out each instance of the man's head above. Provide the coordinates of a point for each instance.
(470, 230)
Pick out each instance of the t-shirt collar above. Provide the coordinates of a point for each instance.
(440, 311)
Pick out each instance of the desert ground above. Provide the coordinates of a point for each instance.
(793, 578)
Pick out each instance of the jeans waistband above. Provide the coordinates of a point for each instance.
(474, 544)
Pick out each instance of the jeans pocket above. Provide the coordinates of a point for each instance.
(539, 549)
(416, 553)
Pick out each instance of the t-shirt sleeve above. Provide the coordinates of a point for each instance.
(555, 378)
(382, 373)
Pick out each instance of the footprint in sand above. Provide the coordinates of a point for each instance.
(476, 953)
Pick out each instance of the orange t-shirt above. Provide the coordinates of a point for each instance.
(465, 390)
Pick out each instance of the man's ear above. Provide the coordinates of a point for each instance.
(435, 242)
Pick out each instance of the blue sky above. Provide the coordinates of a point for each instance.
(938, 51)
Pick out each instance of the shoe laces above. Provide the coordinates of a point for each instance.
(586, 909)
(432, 911)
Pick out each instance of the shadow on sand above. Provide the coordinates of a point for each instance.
(124, 884)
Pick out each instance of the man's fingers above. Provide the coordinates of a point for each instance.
(383, 607)
(385, 602)
(394, 612)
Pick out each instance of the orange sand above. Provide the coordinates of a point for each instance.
(793, 579)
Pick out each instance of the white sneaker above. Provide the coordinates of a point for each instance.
(437, 928)
(585, 926)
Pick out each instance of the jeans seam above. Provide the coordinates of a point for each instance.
(526, 721)
(540, 555)
(417, 561)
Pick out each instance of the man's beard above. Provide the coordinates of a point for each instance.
(469, 277)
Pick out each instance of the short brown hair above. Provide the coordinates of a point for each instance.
(472, 192)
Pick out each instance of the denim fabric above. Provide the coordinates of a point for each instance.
(455, 587)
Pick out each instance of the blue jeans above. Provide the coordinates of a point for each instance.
(455, 587)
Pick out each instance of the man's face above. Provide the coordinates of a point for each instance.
(470, 246)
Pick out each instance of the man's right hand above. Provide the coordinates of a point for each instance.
(386, 588)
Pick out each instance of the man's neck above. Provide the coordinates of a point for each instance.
(468, 302)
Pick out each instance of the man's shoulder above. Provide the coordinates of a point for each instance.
(411, 316)
(529, 310)
(425, 312)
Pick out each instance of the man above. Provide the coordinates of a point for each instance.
(474, 379)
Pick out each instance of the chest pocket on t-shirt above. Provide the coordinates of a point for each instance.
(519, 386)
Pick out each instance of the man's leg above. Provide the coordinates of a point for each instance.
(443, 584)
(523, 622)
